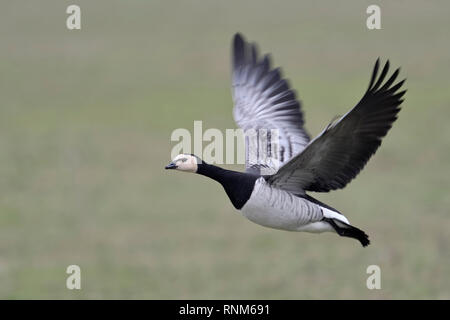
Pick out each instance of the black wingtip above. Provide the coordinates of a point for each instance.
(374, 73)
(383, 74)
(239, 50)
(377, 64)
(391, 80)
(254, 52)
(238, 40)
(376, 81)
(267, 61)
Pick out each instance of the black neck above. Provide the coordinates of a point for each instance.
(213, 172)
(237, 185)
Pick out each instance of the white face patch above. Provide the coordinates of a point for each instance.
(185, 162)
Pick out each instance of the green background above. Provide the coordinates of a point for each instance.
(85, 124)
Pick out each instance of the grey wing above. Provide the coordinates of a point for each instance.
(266, 109)
(340, 152)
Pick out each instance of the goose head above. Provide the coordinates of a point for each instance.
(184, 162)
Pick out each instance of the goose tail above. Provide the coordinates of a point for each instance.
(346, 230)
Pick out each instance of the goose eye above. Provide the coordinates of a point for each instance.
(184, 160)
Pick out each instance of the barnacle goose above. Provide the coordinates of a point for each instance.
(273, 193)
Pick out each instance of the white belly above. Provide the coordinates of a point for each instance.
(279, 209)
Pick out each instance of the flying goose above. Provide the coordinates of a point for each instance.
(273, 194)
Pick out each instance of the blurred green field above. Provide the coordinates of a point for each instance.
(85, 124)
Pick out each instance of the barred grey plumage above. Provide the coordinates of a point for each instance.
(264, 100)
(277, 209)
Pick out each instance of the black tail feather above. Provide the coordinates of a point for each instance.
(346, 230)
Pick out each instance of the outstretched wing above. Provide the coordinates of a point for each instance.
(338, 154)
(266, 109)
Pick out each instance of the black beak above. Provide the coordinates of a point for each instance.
(171, 166)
